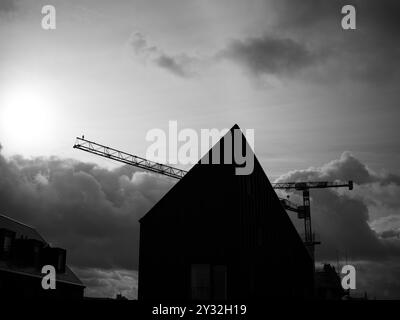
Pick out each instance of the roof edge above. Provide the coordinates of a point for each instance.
(16, 221)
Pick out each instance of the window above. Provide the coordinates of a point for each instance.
(200, 281)
(7, 244)
(208, 282)
(60, 262)
(219, 282)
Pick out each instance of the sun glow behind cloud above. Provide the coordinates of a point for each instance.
(27, 117)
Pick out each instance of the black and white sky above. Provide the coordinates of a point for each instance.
(323, 101)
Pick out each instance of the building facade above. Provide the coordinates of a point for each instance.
(218, 235)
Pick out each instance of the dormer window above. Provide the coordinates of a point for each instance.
(7, 242)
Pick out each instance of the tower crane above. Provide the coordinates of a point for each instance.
(303, 212)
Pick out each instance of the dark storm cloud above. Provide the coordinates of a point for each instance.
(109, 283)
(7, 5)
(180, 65)
(264, 55)
(347, 167)
(370, 53)
(342, 219)
(92, 212)
(307, 35)
(270, 55)
(307, 13)
(371, 14)
(171, 64)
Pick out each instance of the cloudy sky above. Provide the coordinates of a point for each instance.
(323, 102)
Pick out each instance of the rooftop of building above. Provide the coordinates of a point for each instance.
(27, 232)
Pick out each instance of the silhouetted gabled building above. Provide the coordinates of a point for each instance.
(23, 253)
(328, 284)
(218, 235)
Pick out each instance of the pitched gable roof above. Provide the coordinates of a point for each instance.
(207, 176)
(196, 172)
(20, 229)
(217, 148)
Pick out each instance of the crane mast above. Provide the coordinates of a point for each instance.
(303, 212)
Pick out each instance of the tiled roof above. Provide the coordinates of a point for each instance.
(29, 232)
